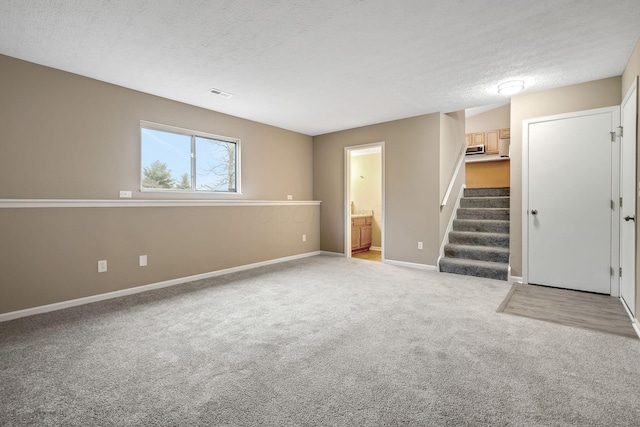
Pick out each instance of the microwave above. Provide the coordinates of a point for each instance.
(475, 149)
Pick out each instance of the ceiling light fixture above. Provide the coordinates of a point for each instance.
(221, 93)
(510, 87)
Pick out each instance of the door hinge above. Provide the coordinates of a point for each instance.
(620, 272)
(621, 131)
(610, 271)
(613, 205)
(620, 201)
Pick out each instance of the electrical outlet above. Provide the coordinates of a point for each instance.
(304, 237)
(289, 197)
(142, 261)
(102, 266)
(125, 194)
(420, 246)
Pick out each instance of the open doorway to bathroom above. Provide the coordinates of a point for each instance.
(364, 201)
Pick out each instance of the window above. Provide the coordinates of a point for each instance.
(176, 159)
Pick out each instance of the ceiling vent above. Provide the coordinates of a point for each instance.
(221, 93)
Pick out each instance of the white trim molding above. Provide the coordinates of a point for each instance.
(142, 203)
(334, 254)
(411, 265)
(4, 317)
(634, 321)
(510, 278)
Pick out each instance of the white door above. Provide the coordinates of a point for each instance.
(568, 217)
(627, 192)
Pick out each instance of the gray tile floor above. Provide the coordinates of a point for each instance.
(571, 308)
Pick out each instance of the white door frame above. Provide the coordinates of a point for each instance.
(615, 189)
(633, 90)
(347, 196)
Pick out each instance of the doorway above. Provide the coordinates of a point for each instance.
(569, 227)
(364, 201)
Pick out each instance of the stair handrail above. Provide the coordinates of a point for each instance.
(447, 194)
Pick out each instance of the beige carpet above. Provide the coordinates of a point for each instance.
(322, 341)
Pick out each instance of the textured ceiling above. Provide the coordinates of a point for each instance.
(319, 66)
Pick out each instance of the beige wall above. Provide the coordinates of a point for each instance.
(411, 185)
(64, 136)
(366, 190)
(498, 118)
(631, 73)
(451, 146)
(68, 136)
(632, 70)
(585, 96)
(50, 255)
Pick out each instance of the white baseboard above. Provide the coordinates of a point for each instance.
(513, 279)
(331, 253)
(4, 317)
(411, 265)
(634, 321)
(375, 248)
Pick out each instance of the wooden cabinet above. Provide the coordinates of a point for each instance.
(489, 139)
(361, 232)
(488, 174)
(491, 142)
(477, 138)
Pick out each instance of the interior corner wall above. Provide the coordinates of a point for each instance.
(452, 127)
(584, 96)
(411, 185)
(632, 72)
(498, 118)
(452, 143)
(64, 136)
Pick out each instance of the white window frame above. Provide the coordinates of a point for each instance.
(191, 133)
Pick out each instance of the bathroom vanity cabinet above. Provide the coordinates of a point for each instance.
(361, 231)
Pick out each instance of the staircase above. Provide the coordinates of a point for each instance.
(479, 242)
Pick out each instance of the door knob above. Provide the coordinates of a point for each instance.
(534, 211)
(630, 218)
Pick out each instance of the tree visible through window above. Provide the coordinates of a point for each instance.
(181, 160)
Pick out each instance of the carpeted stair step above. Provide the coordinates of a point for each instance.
(482, 225)
(487, 192)
(483, 213)
(480, 239)
(481, 253)
(470, 267)
(484, 202)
